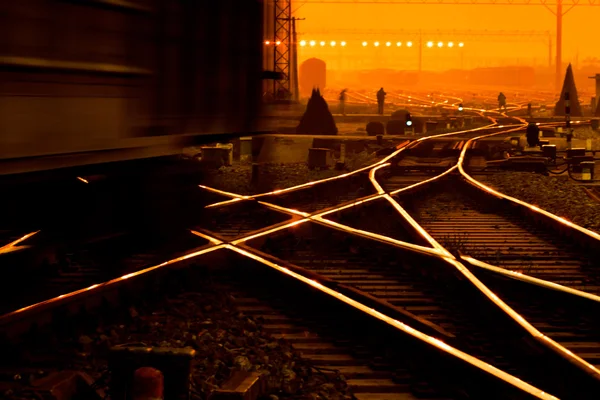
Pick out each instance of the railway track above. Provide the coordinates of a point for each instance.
(46, 269)
(435, 294)
(461, 218)
(436, 297)
(568, 319)
(72, 251)
(333, 344)
(334, 338)
(377, 360)
(325, 195)
(464, 221)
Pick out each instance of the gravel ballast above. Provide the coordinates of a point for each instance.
(237, 178)
(206, 320)
(557, 195)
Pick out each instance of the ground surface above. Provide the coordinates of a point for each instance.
(207, 321)
(237, 178)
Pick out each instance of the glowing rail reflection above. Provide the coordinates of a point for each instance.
(401, 326)
(530, 279)
(12, 246)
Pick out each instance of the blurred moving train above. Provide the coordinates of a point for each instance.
(88, 81)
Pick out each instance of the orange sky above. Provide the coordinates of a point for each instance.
(579, 27)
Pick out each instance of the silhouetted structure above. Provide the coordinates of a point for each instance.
(569, 86)
(533, 134)
(317, 119)
(313, 74)
(597, 113)
(380, 100)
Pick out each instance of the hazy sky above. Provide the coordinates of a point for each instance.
(580, 26)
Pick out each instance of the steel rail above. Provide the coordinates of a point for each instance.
(401, 326)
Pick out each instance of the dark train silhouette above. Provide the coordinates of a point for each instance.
(312, 74)
(85, 76)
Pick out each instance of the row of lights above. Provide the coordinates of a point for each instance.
(333, 43)
(313, 43)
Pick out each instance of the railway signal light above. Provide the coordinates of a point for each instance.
(408, 120)
(460, 107)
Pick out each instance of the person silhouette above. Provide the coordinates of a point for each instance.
(501, 101)
(343, 101)
(533, 134)
(380, 101)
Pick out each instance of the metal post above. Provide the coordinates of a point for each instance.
(597, 97)
(568, 119)
(294, 66)
(559, 15)
(275, 15)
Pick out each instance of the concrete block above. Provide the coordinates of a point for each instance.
(284, 150)
(228, 148)
(319, 158)
(245, 148)
(241, 386)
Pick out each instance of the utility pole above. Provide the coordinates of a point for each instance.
(285, 54)
(559, 19)
(294, 63)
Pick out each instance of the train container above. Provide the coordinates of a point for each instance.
(82, 76)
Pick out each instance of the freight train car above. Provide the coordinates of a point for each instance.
(125, 79)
